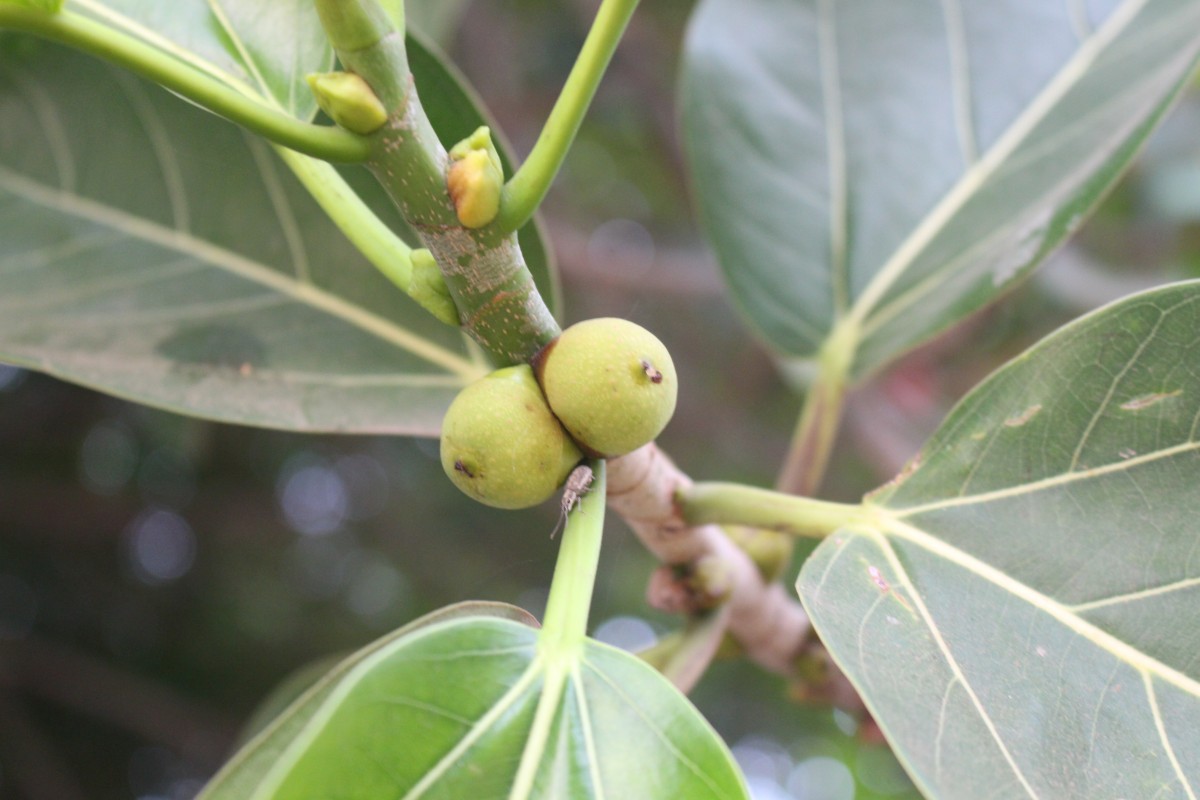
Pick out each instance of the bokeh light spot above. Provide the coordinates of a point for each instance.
(313, 497)
(821, 778)
(160, 546)
(627, 633)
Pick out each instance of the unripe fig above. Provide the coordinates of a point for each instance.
(610, 382)
(500, 443)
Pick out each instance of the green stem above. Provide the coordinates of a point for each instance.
(81, 33)
(565, 623)
(564, 626)
(812, 443)
(525, 190)
(365, 230)
(498, 303)
(736, 504)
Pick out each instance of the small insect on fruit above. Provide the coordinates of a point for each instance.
(579, 482)
(502, 446)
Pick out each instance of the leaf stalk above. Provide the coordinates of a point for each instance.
(737, 504)
(816, 432)
(565, 625)
(77, 31)
(527, 188)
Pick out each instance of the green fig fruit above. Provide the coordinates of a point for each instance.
(610, 382)
(500, 443)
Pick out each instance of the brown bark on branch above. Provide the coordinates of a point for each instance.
(771, 628)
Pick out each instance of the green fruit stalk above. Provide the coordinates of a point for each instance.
(502, 446)
(611, 383)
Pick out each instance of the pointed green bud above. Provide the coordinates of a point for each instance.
(428, 287)
(481, 139)
(475, 179)
(349, 101)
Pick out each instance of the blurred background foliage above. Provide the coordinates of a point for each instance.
(160, 575)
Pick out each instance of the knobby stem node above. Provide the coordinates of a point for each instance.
(485, 273)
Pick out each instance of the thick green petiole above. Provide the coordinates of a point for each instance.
(375, 240)
(564, 627)
(812, 443)
(77, 31)
(525, 190)
(565, 624)
(735, 504)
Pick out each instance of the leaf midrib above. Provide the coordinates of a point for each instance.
(898, 305)
(185, 243)
(892, 526)
(1054, 481)
(927, 617)
(135, 28)
(835, 145)
(980, 172)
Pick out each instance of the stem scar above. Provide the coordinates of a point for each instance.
(652, 372)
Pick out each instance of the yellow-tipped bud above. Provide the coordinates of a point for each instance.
(475, 179)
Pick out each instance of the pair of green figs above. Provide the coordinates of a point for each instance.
(603, 388)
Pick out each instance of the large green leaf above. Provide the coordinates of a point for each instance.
(894, 166)
(328, 669)
(172, 261)
(266, 47)
(1020, 608)
(446, 712)
(152, 250)
(437, 19)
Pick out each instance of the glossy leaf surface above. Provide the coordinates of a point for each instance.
(265, 47)
(1021, 606)
(898, 165)
(267, 50)
(174, 260)
(326, 669)
(445, 711)
(288, 326)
